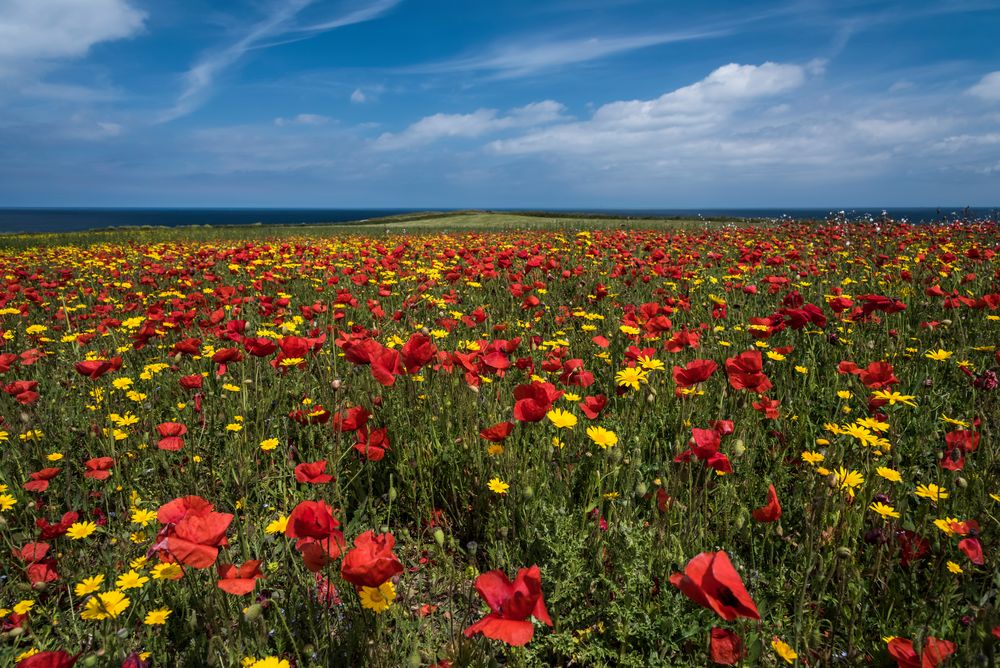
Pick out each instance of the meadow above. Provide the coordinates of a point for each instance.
(482, 440)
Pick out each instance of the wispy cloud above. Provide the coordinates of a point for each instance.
(545, 53)
(279, 27)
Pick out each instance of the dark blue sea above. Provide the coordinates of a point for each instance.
(68, 220)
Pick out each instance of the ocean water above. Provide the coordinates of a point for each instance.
(69, 220)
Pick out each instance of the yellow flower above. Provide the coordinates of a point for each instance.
(883, 509)
(494, 449)
(88, 585)
(945, 525)
(131, 580)
(844, 394)
(269, 662)
(782, 649)
(54, 456)
(102, 606)
(849, 479)
(801, 369)
(602, 437)
(378, 598)
(497, 485)
(894, 397)
(80, 530)
(651, 364)
(234, 427)
(7, 502)
(889, 474)
(277, 526)
(938, 355)
(932, 492)
(143, 517)
(775, 356)
(166, 571)
(269, 444)
(157, 617)
(954, 568)
(812, 457)
(561, 419)
(631, 377)
(23, 607)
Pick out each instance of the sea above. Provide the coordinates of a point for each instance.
(16, 220)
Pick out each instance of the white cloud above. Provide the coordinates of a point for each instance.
(358, 96)
(988, 87)
(476, 124)
(41, 31)
(302, 119)
(277, 28)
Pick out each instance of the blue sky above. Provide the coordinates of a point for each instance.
(510, 103)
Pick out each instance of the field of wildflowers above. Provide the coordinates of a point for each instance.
(706, 445)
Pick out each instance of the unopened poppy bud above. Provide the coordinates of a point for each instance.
(946, 322)
(844, 552)
(503, 532)
(778, 530)
(961, 482)
(15, 632)
(739, 448)
(393, 493)
(40, 586)
(528, 491)
(253, 612)
(650, 398)
(89, 661)
(415, 660)
(439, 537)
(641, 489)
(336, 384)
(615, 454)
(740, 521)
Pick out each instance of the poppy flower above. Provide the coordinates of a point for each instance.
(592, 406)
(533, 401)
(50, 531)
(746, 372)
(196, 539)
(171, 434)
(56, 659)
(319, 539)
(98, 468)
(193, 382)
(770, 512)
(351, 420)
(725, 647)
(511, 606)
(934, 652)
(371, 562)
(498, 433)
(372, 445)
(239, 580)
(40, 479)
(710, 580)
(769, 407)
(696, 371)
(417, 351)
(312, 473)
(973, 549)
(94, 369)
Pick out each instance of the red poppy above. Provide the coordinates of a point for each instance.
(239, 580)
(771, 511)
(40, 479)
(195, 540)
(710, 580)
(417, 351)
(312, 473)
(511, 605)
(935, 651)
(746, 372)
(725, 647)
(498, 433)
(98, 468)
(94, 369)
(313, 523)
(372, 445)
(696, 371)
(351, 420)
(172, 436)
(193, 382)
(877, 375)
(371, 561)
(533, 401)
(56, 659)
(973, 549)
(592, 406)
(769, 407)
(50, 531)
(386, 365)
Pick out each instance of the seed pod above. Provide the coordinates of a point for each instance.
(961, 482)
(393, 493)
(844, 552)
(253, 612)
(641, 489)
(439, 537)
(528, 491)
(739, 448)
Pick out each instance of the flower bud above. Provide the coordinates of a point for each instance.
(439, 537)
